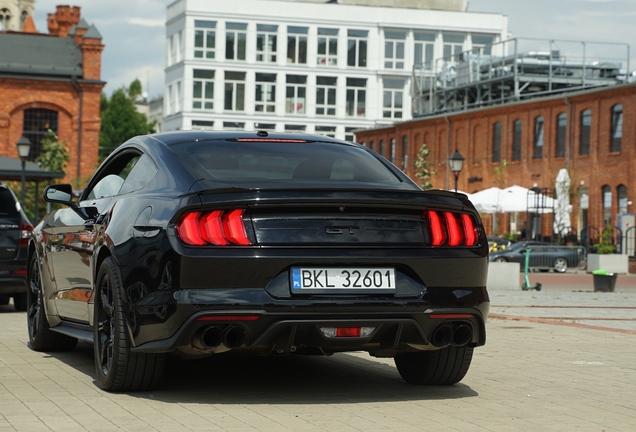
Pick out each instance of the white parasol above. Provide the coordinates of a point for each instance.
(562, 206)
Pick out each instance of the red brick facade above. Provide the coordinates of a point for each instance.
(471, 132)
(59, 94)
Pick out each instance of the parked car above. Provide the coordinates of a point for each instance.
(15, 231)
(203, 243)
(543, 256)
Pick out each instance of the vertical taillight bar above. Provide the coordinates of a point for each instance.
(217, 227)
(454, 233)
(470, 231)
(437, 233)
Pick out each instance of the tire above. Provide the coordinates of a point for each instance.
(560, 265)
(445, 366)
(116, 367)
(20, 302)
(41, 337)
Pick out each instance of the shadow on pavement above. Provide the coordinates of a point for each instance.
(294, 379)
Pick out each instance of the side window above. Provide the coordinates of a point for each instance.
(141, 173)
(127, 173)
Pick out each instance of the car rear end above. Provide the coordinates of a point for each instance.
(342, 253)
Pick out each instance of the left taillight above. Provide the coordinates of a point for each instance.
(452, 229)
(216, 228)
(25, 233)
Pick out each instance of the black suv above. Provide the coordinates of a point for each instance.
(15, 230)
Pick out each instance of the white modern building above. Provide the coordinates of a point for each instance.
(327, 67)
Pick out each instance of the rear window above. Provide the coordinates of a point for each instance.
(8, 204)
(229, 160)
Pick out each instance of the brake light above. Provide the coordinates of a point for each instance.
(218, 228)
(25, 233)
(451, 229)
(271, 140)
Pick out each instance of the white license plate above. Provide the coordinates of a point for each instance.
(342, 278)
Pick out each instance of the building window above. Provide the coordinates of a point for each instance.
(204, 39)
(356, 97)
(482, 45)
(265, 126)
(295, 128)
(235, 37)
(560, 135)
(586, 124)
(392, 106)
(392, 150)
(202, 124)
(372, 145)
(357, 48)
(297, 44)
(607, 204)
(394, 49)
(203, 89)
(496, 142)
(453, 46)
(424, 49)
(617, 128)
(382, 147)
(405, 153)
(265, 99)
(266, 39)
(5, 18)
(350, 133)
(327, 47)
(234, 125)
(329, 131)
(326, 96)
(234, 91)
(516, 140)
(621, 192)
(37, 122)
(538, 138)
(296, 94)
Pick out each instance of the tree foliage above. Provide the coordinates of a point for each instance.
(120, 119)
(54, 156)
(424, 172)
(500, 173)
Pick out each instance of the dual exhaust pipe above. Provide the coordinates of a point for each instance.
(458, 336)
(213, 336)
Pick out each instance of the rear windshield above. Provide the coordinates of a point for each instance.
(229, 160)
(7, 204)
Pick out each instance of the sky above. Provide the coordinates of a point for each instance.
(134, 30)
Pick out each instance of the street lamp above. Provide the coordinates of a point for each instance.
(456, 162)
(24, 148)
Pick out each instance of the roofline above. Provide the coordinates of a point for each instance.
(66, 78)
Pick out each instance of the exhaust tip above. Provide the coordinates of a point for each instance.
(234, 337)
(442, 336)
(462, 336)
(208, 338)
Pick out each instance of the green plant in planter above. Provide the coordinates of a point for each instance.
(606, 245)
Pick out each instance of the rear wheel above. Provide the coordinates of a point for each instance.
(41, 337)
(445, 366)
(500, 259)
(117, 368)
(20, 302)
(560, 265)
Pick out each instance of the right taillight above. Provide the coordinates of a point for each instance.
(25, 233)
(451, 229)
(216, 228)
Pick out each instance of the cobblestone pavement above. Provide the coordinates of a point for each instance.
(530, 376)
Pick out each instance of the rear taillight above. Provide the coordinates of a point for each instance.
(217, 227)
(25, 233)
(451, 229)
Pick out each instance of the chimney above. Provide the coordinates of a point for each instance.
(80, 31)
(64, 18)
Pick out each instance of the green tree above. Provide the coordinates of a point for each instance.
(500, 173)
(54, 156)
(120, 119)
(424, 172)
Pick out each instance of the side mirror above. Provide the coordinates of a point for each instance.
(59, 193)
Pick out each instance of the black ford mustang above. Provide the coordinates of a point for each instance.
(198, 243)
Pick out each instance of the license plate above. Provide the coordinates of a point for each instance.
(349, 279)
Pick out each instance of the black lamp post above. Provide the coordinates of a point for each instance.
(456, 162)
(24, 148)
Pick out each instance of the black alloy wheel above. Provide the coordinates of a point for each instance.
(41, 337)
(444, 366)
(117, 368)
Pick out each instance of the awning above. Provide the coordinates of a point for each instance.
(11, 169)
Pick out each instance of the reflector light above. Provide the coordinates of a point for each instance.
(218, 228)
(470, 233)
(451, 316)
(346, 332)
(454, 234)
(229, 318)
(25, 233)
(437, 235)
(277, 140)
(20, 272)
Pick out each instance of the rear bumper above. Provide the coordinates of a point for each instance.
(12, 285)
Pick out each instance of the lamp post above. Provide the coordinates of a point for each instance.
(24, 148)
(456, 162)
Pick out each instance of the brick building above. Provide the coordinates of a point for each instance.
(53, 81)
(592, 133)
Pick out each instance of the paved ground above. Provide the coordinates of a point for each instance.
(569, 375)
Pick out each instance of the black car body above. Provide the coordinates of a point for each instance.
(257, 243)
(15, 231)
(543, 256)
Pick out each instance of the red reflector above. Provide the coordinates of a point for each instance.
(437, 235)
(212, 228)
(188, 229)
(470, 233)
(454, 234)
(234, 228)
(451, 316)
(21, 272)
(278, 140)
(348, 331)
(229, 318)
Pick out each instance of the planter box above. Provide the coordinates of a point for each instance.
(613, 263)
(503, 276)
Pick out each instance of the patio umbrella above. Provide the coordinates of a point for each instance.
(487, 201)
(562, 207)
(515, 199)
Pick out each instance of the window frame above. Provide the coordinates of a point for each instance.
(353, 106)
(394, 45)
(206, 83)
(616, 137)
(206, 30)
(239, 42)
(539, 137)
(496, 142)
(292, 103)
(357, 48)
(267, 91)
(269, 51)
(585, 132)
(517, 130)
(561, 133)
(329, 109)
(299, 35)
(327, 59)
(237, 88)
